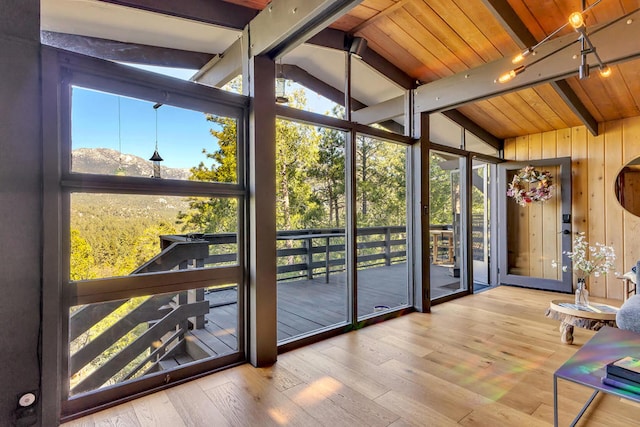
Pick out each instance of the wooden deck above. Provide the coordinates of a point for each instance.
(305, 306)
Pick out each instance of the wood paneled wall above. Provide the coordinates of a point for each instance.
(595, 163)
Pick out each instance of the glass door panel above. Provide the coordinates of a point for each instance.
(381, 221)
(310, 220)
(445, 220)
(480, 225)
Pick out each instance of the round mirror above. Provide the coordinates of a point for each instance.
(628, 186)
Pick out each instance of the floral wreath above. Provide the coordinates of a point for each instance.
(541, 184)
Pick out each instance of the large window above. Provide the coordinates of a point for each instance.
(342, 198)
(153, 207)
(446, 208)
(381, 230)
(310, 221)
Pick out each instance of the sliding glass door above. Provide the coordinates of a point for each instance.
(446, 218)
(481, 224)
(310, 222)
(381, 226)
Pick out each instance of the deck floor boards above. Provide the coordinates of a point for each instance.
(309, 305)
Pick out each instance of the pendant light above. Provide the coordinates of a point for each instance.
(576, 21)
(281, 83)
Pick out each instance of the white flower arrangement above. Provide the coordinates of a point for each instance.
(587, 260)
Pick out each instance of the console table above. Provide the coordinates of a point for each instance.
(587, 366)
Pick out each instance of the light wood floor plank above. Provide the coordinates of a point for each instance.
(414, 412)
(482, 360)
(195, 407)
(156, 409)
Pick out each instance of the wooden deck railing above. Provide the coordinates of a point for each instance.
(309, 252)
(166, 319)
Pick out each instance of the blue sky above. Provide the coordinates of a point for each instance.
(98, 122)
(182, 134)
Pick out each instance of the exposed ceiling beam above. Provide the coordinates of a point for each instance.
(222, 68)
(512, 23)
(219, 69)
(473, 127)
(234, 16)
(282, 26)
(126, 52)
(337, 39)
(571, 99)
(385, 110)
(555, 60)
(216, 12)
(616, 42)
(300, 75)
(285, 24)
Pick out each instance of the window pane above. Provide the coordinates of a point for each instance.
(369, 89)
(444, 131)
(480, 222)
(117, 135)
(302, 89)
(381, 235)
(120, 234)
(312, 288)
(477, 145)
(116, 341)
(445, 218)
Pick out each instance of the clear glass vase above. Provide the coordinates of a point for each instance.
(582, 294)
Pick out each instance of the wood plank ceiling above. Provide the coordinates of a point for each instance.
(433, 39)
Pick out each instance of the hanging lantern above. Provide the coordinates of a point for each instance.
(156, 159)
(281, 83)
(120, 171)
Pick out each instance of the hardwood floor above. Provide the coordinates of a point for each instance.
(482, 360)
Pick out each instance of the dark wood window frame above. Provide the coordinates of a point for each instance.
(61, 71)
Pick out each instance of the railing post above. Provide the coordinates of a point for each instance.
(309, 244)
(327, 252)
(196, 295)
(183, 299)
(387, 246)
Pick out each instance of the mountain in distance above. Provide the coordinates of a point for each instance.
(105, 161)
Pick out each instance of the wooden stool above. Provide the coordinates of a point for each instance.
(628, 284)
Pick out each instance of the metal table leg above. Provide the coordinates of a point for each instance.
(555, 404)
(555, 401)
(584, 408)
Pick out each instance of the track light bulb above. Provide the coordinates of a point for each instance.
(605, 71)
(510, 74)
(576, 20)
(520, 57)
